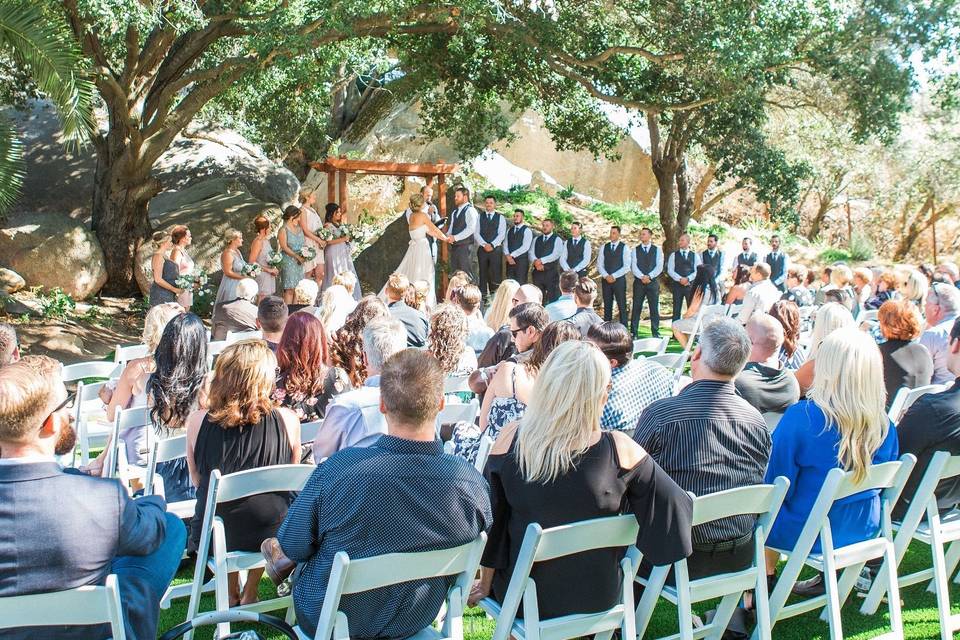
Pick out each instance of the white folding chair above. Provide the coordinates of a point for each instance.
(214, 349)
(309, 431)
(167, 450)
(243, 335)
(79, 606)
(98, 369)
(122, 355)
(763, 500)
(656, 346)
(888, 477)
(540, 545)
(87, 407)
(116, 465)
(866, 316)
(234, 486)
(454, 412)
(456, 384)
(483, 452)
(348, 577)
(906, 397)
(936, 531)
(670, 360)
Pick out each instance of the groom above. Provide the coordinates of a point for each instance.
(463, 226)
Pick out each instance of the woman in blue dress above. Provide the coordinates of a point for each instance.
(291, 241)
(232, 264)
(842, 424)
(337, 250)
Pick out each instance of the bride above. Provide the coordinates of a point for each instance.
(417, 263)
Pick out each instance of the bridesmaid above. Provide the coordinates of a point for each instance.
(233, 264)
(310, 222)
(260, 252)
(165, 272)
(337, 252)
(291, 240)
(182, 239)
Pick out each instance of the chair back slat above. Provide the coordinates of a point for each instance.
(879, 476)
(456, 384)
(906, 397)
(173, 448)
(599, 533)
(483, 452)
(951, 468)
(393, 568)
(754, 499)
(657, 346)
(79, 606)
(281, 477)
(454, 412)
(670, 360)
(123, 354)
(133, 417)
(243, 335)
(309, 431)
(84, 370)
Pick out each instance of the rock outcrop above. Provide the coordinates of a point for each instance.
(11, 281)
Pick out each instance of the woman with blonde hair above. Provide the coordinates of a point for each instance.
(829, 318)
(180, 239)
(163, 288)
(232, 263)
(242, 429)
(447, 340)
(261, 251)
(458, 280)
(498, 313)
(557, 467)
(335, 305)
(913, 286)
(309, 222)
(843, 424)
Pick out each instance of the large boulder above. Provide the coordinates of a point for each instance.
(375, 263)
(11, 281)
(53, 250)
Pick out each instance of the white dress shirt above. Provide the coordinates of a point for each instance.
(553, 256)
(580, 266)
(470, 213)
(786, 265)
(353, 419)
(759, 298)
(526, 243)
(561, 308)
(430, 209)
(627, 260)
(673, 273)
(937, 341)
(657, 268)
(501, 230)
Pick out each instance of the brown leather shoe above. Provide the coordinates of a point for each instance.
(278, 566)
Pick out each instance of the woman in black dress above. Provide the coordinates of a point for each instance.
(242, 430)
(557, 467)
(165, 271)
(906, 363)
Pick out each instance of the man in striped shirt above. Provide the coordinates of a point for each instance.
(709, 439)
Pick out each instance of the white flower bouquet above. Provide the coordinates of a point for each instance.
(275, 259)
(308, 253)
(251, 270)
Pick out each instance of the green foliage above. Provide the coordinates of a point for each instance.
(860, 250)
(566, 192)
(517, 195)
(55, 303)
(561, 217)
(627, 213)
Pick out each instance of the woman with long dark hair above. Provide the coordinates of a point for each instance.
(346, 346)
(705, 293)
(792, 354)
(306, 383)
(337, 251)
(741, 282)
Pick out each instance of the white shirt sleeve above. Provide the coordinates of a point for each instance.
(670, 270)
(563, 258)
(551, 257)
(749, 304)
(525, 244)
(471, 224)
(625, 252)
(601, 268)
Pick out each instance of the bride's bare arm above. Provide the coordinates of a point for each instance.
(432, 229)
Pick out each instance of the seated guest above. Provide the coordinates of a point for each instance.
(68, 530)
(950, 271)
(305, 383)
(558, 467)
(500, 346)
(841, 424)
(741, 284)
(347, 280)
(498, 309)
(272, 316)
(709, 439)
(239, 314)
(797, 291)
(448, 341)
(305, 296)
(9, 345)
(932, 424)
(826, 284)
(940, 309)
(886, 289)
(335, 305)
(428, 500)
(841, 279)
(913, 286)
(413, 319)
(585, 317)
(346, 345)
(634, 384)
(352, 419)
(529, 319)
(862, 291)
(830, 317)
(764, 383)
(458, 280)
(792, 354)
(240, 430)
(705, 293)
(761, 295)
(906, 363)
(564, 306)
(478, 333)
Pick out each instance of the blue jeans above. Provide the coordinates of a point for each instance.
(144, 579)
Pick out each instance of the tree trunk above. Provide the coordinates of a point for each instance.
(665, 172)
(909, 234)
(817, 223)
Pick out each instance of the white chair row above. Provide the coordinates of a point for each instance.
(906, 397)
(656, 346)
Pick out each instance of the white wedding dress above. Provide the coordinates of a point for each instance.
(417, 264)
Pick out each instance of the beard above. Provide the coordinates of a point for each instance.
(66, 441)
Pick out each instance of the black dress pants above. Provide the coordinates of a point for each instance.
(615, 291)
(649, 293)
(549, 282)
(519, 270)
(681, 293)
(491, 270)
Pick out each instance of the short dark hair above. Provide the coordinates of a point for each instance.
(520, 211)
(272, 314)
(774, 237)
(530, 314)
(713, 235)
(615, 226)
(462, 189)
(748, 240)
(614, 341)
(399, 369)
(576, 223)
(490, 197)
(647, 229)
(568, 281)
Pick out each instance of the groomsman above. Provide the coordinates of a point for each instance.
(491, 231)
(647, 265)
(545, 256)
(432, 212)
(613, 263)
(714, 257)
(576, 252)
(746, 258)
(778, 264)
(519, 240)
(461, 231)
(681, 266)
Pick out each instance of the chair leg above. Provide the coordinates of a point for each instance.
(833, 600)
(941, 584)
(220, 574)
(893, 594)
(848, 578)
(952, 558)
(721, 618)
(761, 605)
(684, 605)
(648, 601)
(877, 590)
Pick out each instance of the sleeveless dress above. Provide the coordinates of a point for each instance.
(228, 286)
(186, 266)
(313, 223)
(685, 325)
(159, 295)
(266, 282)
(248, 521)
(503, 411)
(417, 264)
(338, 259)
(291, 271)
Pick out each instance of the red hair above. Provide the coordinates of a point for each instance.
(302, 355)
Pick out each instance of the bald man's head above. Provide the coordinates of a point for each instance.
(529, 293)
(766, 337)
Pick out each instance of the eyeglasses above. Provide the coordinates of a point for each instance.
(514, 332)
(66, 404)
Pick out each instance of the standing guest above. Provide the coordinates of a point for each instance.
(778, 264)
(239, 314)
(761, 295)
(164, 287)
(862, 277)
(336, 304)
(498, 311)
(241, 430)
(68, 530)
(681, 265)
(647, 265)
(709, 439)
(545, 257)
(886, 289)
(792, 354)
(906, 363)
(613, 264)
(337, 251)
(764, 383)
(941, 308)
(830, 317)
(747, 256)
(9, 345)
(558, 467)
(478, 333)
(519, 241)
(564, 306)
(713, 256)
(305, 296)
(797, 292)
(491, 232)
(585, 317)
(272, 313)
(634, 384)
(705, 294)
(448, 341)
(913, 287)
(412, 318)
(346, 346)
(431, 501)
(842, 424)
(500, 346)
(310, 223)
(180, 239)
(261, 250)
(576, 252)
(741, 284)
(291, 240)
(461, 232)
(232, 263)
(352, 419)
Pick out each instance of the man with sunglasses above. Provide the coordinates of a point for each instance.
(527, 322)
(64, 530)
(940, 309)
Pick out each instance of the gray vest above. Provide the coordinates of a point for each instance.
(716, 261)
(613, 259)
(646, 262)
(575, 250)
(489, 228)
(459, 224)
(542, 247)
(683, 267)
(777, 264)
(515, 237)
(748, 261)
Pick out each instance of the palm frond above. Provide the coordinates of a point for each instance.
(45, 48)
(11, 165)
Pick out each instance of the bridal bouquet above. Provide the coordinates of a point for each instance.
(275, 259)
(326, 234)
(185, 281)
(251, 270)
(308, 253)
